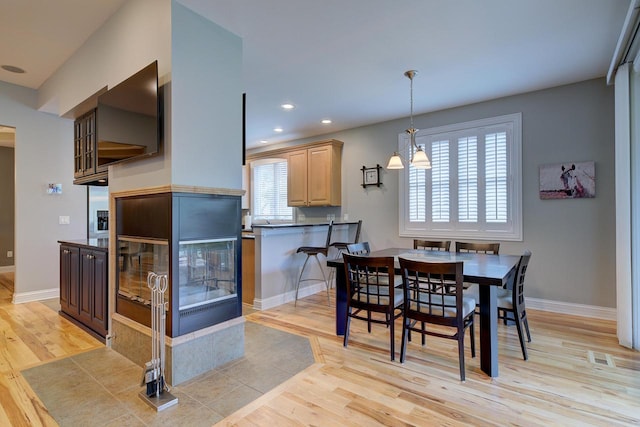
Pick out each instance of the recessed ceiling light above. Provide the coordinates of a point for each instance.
(13, 69)
(278, 129)
(263, 141)
(326, 121)
(288, 106)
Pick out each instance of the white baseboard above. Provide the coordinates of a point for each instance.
(22, 297)
(8, 269)
(267, 303)
(606, 313)
(597, 312)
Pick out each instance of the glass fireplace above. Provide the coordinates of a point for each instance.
(194, 240)
(136, 258)
(207, 272)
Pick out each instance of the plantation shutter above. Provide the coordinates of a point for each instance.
(440, 181)
(468, 179)
(496, 177)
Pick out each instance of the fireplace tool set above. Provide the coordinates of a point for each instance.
(157, 392)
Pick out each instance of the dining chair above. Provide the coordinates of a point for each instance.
(432, 245)
(426, 300)
(371, 289)
(480, 248)
(512, 301)
(314, 251)
(361, 248)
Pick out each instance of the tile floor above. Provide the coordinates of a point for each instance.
(101, 387)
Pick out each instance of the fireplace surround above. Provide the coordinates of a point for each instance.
(193, 235)
(194, 240)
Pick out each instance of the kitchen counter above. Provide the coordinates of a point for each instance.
(96, 243)
(302, 224)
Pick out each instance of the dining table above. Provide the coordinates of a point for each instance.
(490, 272)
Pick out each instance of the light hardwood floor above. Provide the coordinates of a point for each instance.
(31, 334)
(562, 383)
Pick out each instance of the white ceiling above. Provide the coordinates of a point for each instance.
(345, 59)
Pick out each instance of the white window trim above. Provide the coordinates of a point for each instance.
(407, 229)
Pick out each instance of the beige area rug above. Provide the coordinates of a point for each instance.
(101, 387)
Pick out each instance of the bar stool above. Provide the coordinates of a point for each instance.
(342, 248)
(314, 251)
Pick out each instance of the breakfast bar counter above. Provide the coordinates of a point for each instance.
(277, 265)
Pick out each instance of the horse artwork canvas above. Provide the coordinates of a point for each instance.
(568, 180)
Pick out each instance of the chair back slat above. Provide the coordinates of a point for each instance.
(432, 245)
(484, 248)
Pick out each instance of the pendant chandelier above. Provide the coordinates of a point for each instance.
(419, 158)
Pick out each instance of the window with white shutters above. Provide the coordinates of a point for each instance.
(269, 189)
(473, 189)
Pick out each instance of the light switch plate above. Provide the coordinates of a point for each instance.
(64, 220)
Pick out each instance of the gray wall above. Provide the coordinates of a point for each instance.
(7, 205)
(573, 241)
(43, 155)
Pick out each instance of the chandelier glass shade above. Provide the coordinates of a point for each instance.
(419, 158)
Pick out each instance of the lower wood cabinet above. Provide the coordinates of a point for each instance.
(84, 287)
(248, 270)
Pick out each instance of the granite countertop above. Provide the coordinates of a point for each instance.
(99, 243)
(302, 224)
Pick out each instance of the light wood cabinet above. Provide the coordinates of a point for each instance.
(314, 175)
(248, 270)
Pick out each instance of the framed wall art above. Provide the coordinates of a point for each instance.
(571, 180)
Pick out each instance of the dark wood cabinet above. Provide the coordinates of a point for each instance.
(85, 153)
(84, 287)
(69, 279)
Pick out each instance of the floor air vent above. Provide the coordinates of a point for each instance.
(600, 358)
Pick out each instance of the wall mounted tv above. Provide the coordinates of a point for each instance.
(129, 119)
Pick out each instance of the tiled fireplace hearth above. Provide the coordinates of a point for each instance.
(194, 238)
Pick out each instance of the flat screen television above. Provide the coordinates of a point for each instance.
(128, 119)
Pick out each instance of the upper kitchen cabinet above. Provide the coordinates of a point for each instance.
(84, 149)
(314, 174)
(85, 137)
